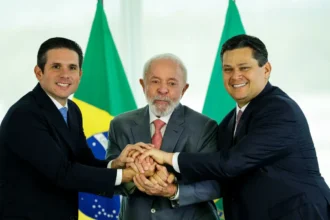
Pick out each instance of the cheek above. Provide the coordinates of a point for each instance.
(226, 78)
(149, 91)
(175, 94)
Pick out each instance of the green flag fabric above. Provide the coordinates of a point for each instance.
(103, 93)
(218, 102)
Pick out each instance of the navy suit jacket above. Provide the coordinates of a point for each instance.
(269, 170)
(44, 162)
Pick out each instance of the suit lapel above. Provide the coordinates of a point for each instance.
(73, 121)
(53, 115)
(241, 128)
(230, 130)
(173, 129)
(141, 132)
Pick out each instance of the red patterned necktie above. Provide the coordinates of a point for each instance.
(157, 137)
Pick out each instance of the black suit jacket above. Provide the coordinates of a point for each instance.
(44, 162)
(270, 169)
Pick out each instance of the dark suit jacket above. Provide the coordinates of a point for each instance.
(186, 131)
(270, 169)
(44, 162)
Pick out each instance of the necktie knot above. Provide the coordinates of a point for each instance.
(158, 124)
(64, 113)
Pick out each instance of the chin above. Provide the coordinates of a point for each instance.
(239, 98)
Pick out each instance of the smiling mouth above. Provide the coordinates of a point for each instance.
(239, 85)
(63, 84)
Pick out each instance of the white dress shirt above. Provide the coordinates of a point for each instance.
(176, 155)
(153, 117)
(119, 176)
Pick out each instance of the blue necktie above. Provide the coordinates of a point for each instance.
(64, 112)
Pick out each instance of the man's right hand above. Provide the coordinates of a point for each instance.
(124, 157)
(161, 157)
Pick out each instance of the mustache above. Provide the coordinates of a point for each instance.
(159, 98)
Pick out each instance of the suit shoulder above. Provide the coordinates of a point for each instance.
(23, 107)
(279, 101)
(129, 115)
(24, 104)
(197, 116)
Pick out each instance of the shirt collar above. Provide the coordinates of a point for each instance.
(153, 117)
(242, 109)
(57, 104)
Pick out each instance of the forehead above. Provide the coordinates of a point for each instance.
(165, 68)
(238, 56)
(62, 55)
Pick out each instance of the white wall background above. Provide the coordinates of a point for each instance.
(295, 31)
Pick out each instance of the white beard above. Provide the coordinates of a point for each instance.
(158, 112)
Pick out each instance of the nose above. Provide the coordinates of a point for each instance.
(65, 72)
(236, 74)
(163, 89)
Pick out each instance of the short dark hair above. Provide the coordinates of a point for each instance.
(259, 51)
(56, 43)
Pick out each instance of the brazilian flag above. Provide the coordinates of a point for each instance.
(103, 93)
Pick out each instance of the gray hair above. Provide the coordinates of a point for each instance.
(165, 56)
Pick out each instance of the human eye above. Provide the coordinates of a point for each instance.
(244, 68)
(172, 83)
(73, 67)
(155, 81)
(227, 70)
(56, 66)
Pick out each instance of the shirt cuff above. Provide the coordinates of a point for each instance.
(175, 162)
(109, 164)
(119, 177)
(176, 196)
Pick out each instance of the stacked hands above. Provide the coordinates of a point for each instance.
(142, 162)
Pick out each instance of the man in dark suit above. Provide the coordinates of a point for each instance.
(44, 157)
(267, 162)
(182, 130)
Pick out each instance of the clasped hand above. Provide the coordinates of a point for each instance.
(150, 177)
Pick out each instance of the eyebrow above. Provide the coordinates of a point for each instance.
(155, 77)
(240, 64)
(58, 63)
(243, 64)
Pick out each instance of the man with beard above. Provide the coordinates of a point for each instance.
(165, 124)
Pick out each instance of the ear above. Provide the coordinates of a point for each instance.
(142, 84)
(38, 72)
(184, 89)
(268, 69)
